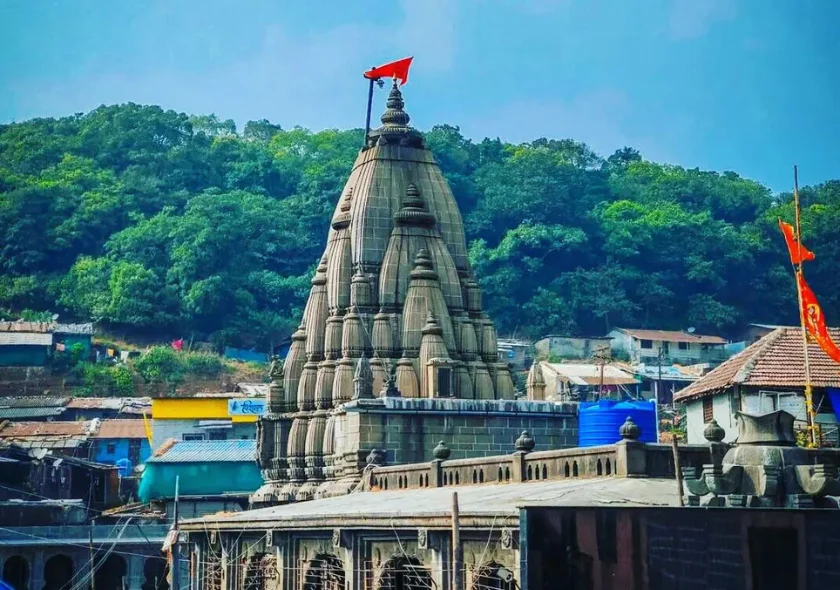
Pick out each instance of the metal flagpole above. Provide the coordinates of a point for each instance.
(369, 107)
(809, 401)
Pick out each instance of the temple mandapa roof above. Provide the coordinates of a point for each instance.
(776, 360)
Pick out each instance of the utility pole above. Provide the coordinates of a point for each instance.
(90, 549)
(174, 550)
(457, 550)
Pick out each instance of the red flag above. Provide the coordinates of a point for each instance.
(178, 344)
(815, 321)
(798, 252)
(396, 69)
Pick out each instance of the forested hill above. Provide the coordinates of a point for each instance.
(160, 223)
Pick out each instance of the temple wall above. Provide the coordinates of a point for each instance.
(409, 429)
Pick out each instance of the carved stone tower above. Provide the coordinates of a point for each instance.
(393, 304)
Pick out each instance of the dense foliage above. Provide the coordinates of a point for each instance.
(160, 223)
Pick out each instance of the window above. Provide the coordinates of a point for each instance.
(218, 435)
(111, 448)
(708, 410)
(192, 436)
(683, 345)
(646, 343)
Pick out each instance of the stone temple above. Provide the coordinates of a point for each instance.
(395, 351)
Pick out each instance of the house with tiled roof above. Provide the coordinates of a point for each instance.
(768, 375)
(667, 346)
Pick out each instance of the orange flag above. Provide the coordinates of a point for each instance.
(396, 69)
(798, 252)
(815, 320)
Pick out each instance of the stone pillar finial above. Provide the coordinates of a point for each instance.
(629, 430)
(525, 443)
(441, 451)
(713, 432)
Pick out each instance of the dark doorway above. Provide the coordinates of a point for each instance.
(405, 573)
(16, 572)
(325, 572)
(58, 572)
(110, 574)
(155, 572)
(774, 556)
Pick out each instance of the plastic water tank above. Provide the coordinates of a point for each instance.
(124, 467)
(599, 421)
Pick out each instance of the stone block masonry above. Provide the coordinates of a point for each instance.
(408, 429)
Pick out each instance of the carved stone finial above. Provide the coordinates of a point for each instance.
(525, 443)
(413, 210)
(394, 115)
(423, 267)
(441, 451)
(432, 327)
(629, 430)
(713, 432)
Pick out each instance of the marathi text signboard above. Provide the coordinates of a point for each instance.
(246, 407)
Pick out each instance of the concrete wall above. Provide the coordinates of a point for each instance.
(163, 430)
(570, 348)
(724, 407)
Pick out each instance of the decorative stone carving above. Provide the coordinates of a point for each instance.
(336, 538)
(441, 451)
(507, 538)
(629, 430)
(376, 457)
(713, 432)
(422, 538)
(525, 443)
(765, 469)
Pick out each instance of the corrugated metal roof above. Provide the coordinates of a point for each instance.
(589, 374)
(91, 403)
(255, 389)
(672, 336)
(35, 327)
(121, 429)
(49, 442)
(33, 401)
(73, 329)
(24, 413)
(209, 451)
(40, 429)
(25, 339)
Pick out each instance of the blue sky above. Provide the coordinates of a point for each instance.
(744, 85)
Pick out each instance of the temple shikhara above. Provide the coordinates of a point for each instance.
(394, 312)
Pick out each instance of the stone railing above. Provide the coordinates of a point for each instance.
(626, 458)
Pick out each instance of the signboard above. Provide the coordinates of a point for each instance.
(246, 407)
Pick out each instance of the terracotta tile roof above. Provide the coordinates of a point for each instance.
(776, 360)
(672, 336)
(37, 429)
(121, 429)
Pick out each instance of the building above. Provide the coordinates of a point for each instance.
(66, 336)
(666, 347)
(55, 522)
(204, 416)
(755, 332)
(395, 349)
(117, 441)
(33, 408)
(517, 353)
(107, 408)
(71, 439)
(571, 347)
(610, 517)
(25, 344)
(662, 382)
(213, 476)
(584, 382)
(768, 375)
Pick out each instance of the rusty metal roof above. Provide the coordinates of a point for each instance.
(40, 429)
(672, 336)
(776, 360)
(34, 327)
(121, 429)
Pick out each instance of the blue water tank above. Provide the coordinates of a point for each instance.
(124, 467)
(600, 421)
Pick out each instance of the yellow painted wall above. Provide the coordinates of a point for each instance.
(195, 408)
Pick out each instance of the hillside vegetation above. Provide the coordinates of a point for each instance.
(159, 223)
